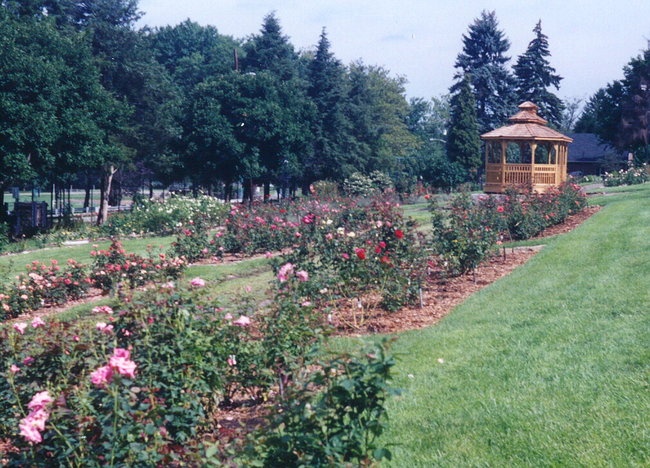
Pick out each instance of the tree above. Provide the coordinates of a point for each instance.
(57, 118)
(463, 143)
(570, 115)
(534, 76)
(483, 59)
(331, 127)
(634, 129)
(192, 53)
(378, 110)
(271, 51)
(278, 129)
(620, 112)
(213, 151)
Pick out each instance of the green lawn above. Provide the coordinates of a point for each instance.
(14, 264)
(548, 367)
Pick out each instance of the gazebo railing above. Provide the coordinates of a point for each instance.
(540, 176)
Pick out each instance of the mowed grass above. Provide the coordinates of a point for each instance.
(14, 264)
(548, 367)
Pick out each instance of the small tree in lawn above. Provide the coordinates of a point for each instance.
(463, 143)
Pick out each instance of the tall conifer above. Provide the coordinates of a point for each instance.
(535, 76)
(463, 143)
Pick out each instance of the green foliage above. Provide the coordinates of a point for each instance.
(335, 415)
(617, 112)
(360, 185)
(631, 176)
(461, 238)
(483, 59)
(463, 143)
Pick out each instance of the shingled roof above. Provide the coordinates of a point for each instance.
(526, 125)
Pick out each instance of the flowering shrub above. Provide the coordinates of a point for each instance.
(114, 267)
(631, 176)
(43, 286)
(469, 231)
(141, 388)
(462, 238)
(163, 217)
(524, 214)
(353, 251)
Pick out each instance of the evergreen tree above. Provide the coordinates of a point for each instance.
(271, 51)
(330, 126)
(634, 128)
(534, 76)
(483, 59)
(463, 143)
(283, 134)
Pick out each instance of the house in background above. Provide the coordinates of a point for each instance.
(588, 155)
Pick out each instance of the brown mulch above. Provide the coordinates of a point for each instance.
(441, 295)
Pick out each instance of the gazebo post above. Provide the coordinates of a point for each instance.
(533, 148)
(504, 150)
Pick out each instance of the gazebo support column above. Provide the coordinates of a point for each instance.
(504, 150)
(533, 148)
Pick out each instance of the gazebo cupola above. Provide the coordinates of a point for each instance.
(525, 153)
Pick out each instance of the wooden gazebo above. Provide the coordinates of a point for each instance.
(525, 153)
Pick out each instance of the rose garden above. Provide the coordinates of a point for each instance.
(143, 379)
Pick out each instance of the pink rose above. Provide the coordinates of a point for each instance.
(32, 425)
(40, 400)
(103, 310)
(197, 282)
(242, 321)
(120, 362)
(106, 329)
(284, 272)
(302, 275)
(20, 327)
(101, 376)
(28, 360)
(14, 369)
(232, 360)
(38, 322)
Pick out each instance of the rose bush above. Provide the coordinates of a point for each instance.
(144, 392)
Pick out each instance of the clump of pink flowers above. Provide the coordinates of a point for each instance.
(33, 424)
(197, 282)
(119, 363)
(103, 310)
(284, 272)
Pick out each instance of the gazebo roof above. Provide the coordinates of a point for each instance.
(526, 125)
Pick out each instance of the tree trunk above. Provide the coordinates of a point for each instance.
(105, 190)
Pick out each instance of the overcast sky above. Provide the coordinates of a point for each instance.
(590, 40)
